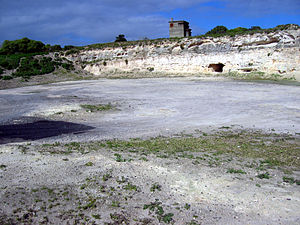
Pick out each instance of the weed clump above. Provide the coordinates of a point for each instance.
(231, 170)
(90, 204)
(119, 158)
(159, 211)
(95, 108)
(130, 187)
(89, 164)
(291, 180)
(264, 176)
(155, 187)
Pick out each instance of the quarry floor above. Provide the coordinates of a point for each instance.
(50, 174)
(151, 107)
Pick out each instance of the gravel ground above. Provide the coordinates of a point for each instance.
(69, 168)
(150, 107)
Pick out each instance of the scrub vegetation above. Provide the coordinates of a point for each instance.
(109, 194)
(218, 31)
(25, 58)
(95, 108)
(269, 149)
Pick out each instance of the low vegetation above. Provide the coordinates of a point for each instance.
(270, 150)
(110, 195)
(25, 58)
(218, 31)
(265, 175)
(95, 108)
(26, 45)
(240, 171)
(258, 76)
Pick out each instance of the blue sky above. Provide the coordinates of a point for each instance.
(82, 22)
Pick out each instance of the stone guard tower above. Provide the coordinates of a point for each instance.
(179, 28)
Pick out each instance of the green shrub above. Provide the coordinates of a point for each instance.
(10, 62)
(223, 31)
(217, 30)
(67, 66)
(72, 51)
(55, 48)
(31, 67)
(23, 45)
(237, 31)
(255, 28)
(68, 47)
(1, 71)
(6, 77)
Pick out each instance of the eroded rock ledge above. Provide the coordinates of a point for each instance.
(276, 54)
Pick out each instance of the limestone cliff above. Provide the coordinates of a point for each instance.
(276, 53)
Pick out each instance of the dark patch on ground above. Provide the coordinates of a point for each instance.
(38, 129)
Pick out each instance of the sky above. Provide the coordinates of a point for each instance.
(83, 22)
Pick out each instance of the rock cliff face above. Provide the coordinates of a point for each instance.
(275, 54)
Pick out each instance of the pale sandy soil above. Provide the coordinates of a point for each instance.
(80, 174)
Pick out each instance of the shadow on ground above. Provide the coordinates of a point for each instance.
(38, 130)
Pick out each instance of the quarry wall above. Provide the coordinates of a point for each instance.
(275, 54)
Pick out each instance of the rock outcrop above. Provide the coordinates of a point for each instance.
(274, 54)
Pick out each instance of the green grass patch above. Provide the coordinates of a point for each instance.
(89, 164)
(95, 108)
(130, 187)
(231, 170)
(271, 149)
(279, 151)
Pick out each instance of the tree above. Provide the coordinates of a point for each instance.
(120, 38)
(23, 45)
(217, 30)
(255, 28)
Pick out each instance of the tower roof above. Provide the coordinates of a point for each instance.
(178, 21)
